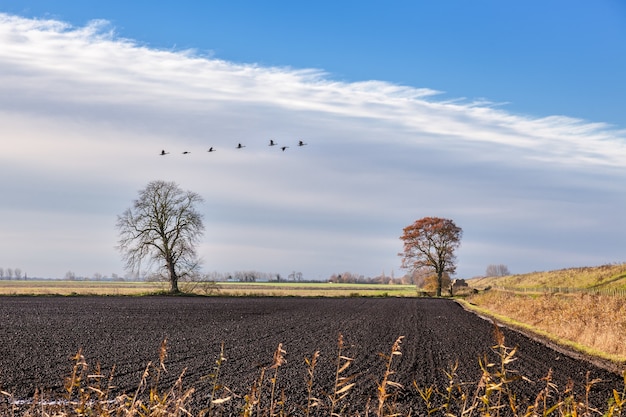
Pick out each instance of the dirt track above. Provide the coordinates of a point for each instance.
(39, 335)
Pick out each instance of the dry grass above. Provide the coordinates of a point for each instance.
(594, 321)
(605, 276)
(87, 393)
(54, 287)
(310, 289)
(594, 324)
(224, 289)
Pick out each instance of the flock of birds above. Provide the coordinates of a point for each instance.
(239, 146)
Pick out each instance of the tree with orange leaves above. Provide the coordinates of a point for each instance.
(430, 243)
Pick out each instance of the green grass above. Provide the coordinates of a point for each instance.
(313, 289)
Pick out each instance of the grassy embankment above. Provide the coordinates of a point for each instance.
(593, 324)
(599, 277)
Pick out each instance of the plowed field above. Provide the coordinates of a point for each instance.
(39, 335)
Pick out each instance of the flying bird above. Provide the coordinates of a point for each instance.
(239, 146)
(300, 143)
(283, 148)
(163, 152)
(272, 143)
(186, 152)
(211, 149)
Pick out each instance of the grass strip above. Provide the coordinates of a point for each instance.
(611, 362)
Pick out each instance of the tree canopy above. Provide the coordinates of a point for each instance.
(430, 243)
(163, 227)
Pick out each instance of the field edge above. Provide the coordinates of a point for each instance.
(612, 363)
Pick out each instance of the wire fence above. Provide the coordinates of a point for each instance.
(615, 292)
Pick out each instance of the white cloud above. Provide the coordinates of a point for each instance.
(85, 115)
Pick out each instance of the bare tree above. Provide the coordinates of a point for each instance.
(430, 243)
(9, 273)
(1, 273)
(247, 276)
(214, 276)
(499, 270)
(18, 273)
(163, 227)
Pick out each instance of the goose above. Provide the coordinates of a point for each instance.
(300, 143)
(211, 149)
(239, 146)
(163, 152)
(186, 152)
(272, 143)
(283, 148)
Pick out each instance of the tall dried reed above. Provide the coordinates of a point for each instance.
(88, 393)
(495, 395)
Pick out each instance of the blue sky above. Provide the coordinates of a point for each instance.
(507, 118)
(559, 57)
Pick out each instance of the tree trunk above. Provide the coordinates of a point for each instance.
(174, 286)
(173, 278)
(439, 282)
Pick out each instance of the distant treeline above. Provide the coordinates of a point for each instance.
(236, 276)
(12, 273)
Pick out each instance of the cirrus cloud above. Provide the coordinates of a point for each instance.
(85, 114)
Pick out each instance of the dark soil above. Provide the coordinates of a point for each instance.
(40, 335)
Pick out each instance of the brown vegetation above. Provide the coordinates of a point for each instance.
(594, 321)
